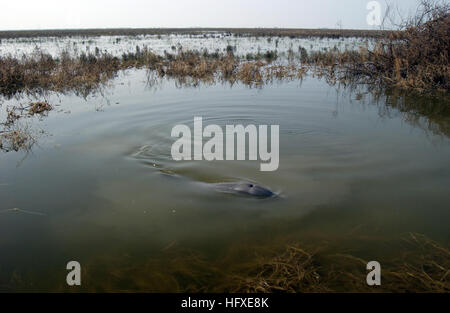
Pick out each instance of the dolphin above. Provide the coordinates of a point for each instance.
(246, 188)
(243, 188)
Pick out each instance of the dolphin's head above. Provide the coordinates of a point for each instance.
(253, 189)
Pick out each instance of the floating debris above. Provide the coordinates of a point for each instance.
(39, 108)
(23, 211)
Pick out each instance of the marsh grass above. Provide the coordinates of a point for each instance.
(415, 57)
(85, 73)
(41, 72)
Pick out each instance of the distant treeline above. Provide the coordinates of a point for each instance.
(240, 32)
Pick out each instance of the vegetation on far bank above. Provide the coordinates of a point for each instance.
(238, 32)
(414, 58)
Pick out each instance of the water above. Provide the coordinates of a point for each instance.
(100, 187)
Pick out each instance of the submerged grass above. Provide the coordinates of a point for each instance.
(293, 270)
(421, 265)
(418, 264)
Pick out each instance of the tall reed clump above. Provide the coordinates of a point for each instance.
(418, 56)
(414, 57)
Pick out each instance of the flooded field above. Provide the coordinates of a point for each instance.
(158, 44)
(359, 179)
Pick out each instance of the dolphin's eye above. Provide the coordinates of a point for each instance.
(251, 185)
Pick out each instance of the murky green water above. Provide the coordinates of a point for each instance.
(98, 187)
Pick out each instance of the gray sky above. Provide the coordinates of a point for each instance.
(48, 14)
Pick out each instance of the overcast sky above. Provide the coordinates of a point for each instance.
(51, 14)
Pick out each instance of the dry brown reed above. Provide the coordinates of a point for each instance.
(415, 58)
